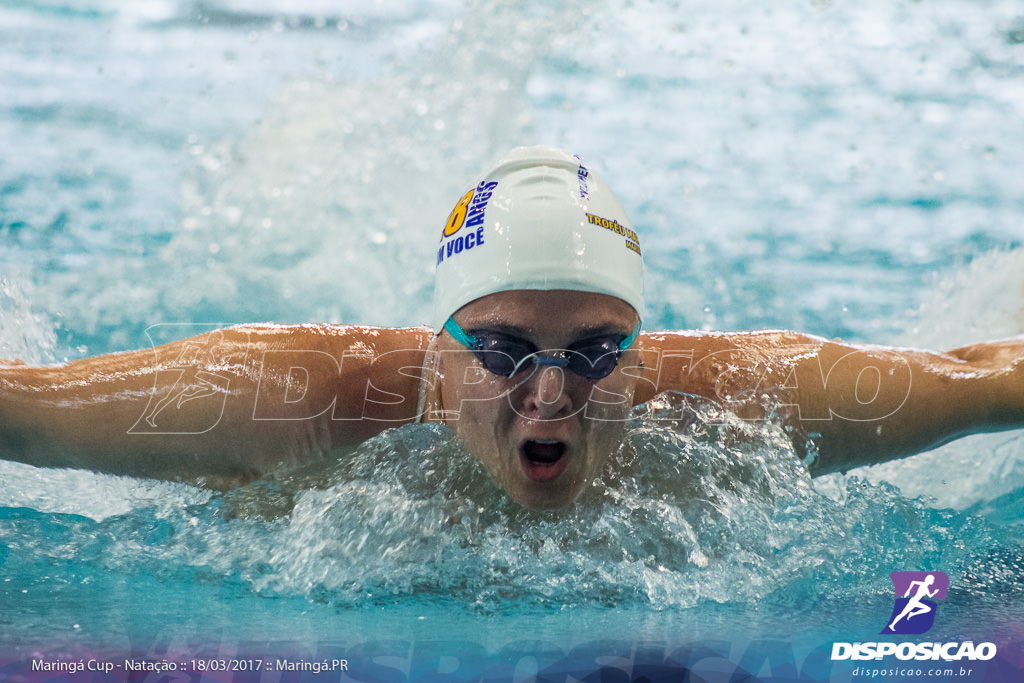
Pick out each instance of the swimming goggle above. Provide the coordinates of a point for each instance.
(505, 354)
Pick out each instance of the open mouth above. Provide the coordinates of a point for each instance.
(543, 459)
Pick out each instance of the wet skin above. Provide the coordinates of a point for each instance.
(542, 436)
(544, 433)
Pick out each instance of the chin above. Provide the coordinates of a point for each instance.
(547, 495)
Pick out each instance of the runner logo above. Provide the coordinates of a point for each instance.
(914, 613)
(916, 596)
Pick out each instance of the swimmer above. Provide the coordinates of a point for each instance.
(535, 355)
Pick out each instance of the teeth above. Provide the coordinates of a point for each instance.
(547, 441)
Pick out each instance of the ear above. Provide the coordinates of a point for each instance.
(430, 407)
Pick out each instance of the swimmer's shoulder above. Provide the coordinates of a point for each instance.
(348, 341)
(360, 379)
(349, 358)
(693, 361)
(703, 342)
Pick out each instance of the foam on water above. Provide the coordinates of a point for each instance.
(25, 334)
(711, 511)
(337, 188)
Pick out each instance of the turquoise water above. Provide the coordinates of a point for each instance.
(842, 169)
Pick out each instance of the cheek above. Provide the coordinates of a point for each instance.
(611, 399)
(466, 384)
(474, 404)
(479, 400)
(604, 437)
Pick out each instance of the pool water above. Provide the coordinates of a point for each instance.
(844, 169)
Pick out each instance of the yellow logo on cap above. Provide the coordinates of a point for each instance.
(458, 215)
(472, 205)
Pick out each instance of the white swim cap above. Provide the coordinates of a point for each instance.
(540, 219)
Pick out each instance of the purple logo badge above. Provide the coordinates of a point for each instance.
(916, 596)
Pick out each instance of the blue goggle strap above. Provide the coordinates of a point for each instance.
(459, 335)
(628, 341)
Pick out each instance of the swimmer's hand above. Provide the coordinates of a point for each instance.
(1000, 367)
(1005, 355)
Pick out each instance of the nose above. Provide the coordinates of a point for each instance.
(546, 397)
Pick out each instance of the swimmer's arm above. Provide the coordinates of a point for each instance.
(849, 405)
(889, 403)
(225, 407)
